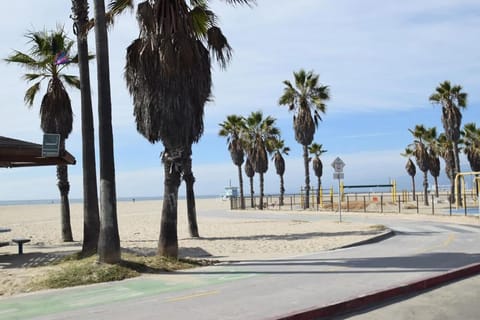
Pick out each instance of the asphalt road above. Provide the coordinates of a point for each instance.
(267, 289)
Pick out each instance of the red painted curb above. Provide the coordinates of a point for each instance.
(383, 295)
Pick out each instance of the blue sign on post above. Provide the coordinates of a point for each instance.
(51, 145)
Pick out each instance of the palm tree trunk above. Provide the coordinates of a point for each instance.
(452, 191)
(240, 182)
(109, 239)
(64, 187)
(252, 192)
(191, 209)
(435, 179)
(168, 240)
(91, 220)
(425, 188)
(413, 188)
(261, 191)
(319, 186)
(476, 185)
(307, 178)
(282, 190)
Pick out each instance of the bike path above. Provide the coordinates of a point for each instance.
(267, 289)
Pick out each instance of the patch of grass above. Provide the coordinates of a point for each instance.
(378, 227)
(75, 270)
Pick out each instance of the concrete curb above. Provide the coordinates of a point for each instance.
(378, 297)
(383, 236)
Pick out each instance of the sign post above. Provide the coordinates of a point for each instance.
(51, 145)
(338, 165)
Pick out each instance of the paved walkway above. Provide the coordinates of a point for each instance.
(420, 256)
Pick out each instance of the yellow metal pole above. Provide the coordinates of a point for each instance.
(331, 196)
(341, 189)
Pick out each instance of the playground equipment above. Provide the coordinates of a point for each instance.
(392, 186)
(321, 193)
(462, 176)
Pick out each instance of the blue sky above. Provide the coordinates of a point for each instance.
(381, 59)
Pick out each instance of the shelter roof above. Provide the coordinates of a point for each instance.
(19, 153)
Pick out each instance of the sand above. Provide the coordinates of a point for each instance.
(225, 235)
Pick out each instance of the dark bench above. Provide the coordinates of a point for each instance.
(3, 243)
(20, 242)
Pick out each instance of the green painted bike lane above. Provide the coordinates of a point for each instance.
(30, 305)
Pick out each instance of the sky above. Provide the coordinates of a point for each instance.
(381, 60)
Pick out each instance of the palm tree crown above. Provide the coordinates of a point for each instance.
(49, 55)
(259, 135)
(471, 143)
(232, 128)
(452, 99)
(305, 96)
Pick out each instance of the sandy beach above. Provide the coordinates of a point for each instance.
(225, 236)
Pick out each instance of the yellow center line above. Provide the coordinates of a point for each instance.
(446, 243)
(449, 240)
(192, 296)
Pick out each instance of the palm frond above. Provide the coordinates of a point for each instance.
(31, 93)
(219, 46)
(71, 80)
(34, 76)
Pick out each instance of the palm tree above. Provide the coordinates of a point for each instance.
(109, 239)
(452, 100)
(250, 172)
(278, 148)
(168, 75)
(91, 219)
(258, 136)
(306, 96)
(420, 150)
(50, 54)
(410, 167)
(445, 150)
(434, 165)
(317, 150)
(471, 143)
(232, 129)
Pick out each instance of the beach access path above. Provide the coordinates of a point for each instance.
(272, 288)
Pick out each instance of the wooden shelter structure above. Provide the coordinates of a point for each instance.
(19, 153)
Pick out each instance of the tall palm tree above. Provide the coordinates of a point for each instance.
(303, 97)
(232, 129)
(278, 148)
(471, 142)
(411, 169)
(50, 54)
(452, 100)
(109, 239)
(434, 165)
(420, 150)
(258, 136)
(91, 219)
(445, 150)
(168, 75)
(471, 147)
(317, 165)
(250, 172)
